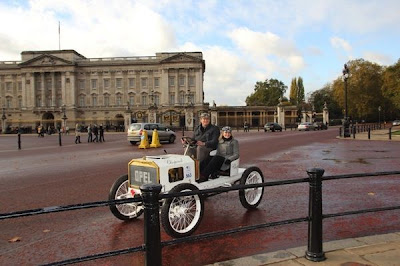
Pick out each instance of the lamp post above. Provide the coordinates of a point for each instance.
(379, 116)
(64, 118)
(346, 131)
(3, 121)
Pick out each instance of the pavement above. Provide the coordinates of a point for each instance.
(380, 250)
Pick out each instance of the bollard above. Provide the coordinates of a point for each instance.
(390, 133)
(59, 138)
(19, 141)
(183, 131)
(340, 132)
(369, 133)
(354, 132)
(152, 236)
(314, 249)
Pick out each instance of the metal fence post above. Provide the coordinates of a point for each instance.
(354, 132)
(340, 132)
(314, 250)
(369, 133)
(152, 236)
(19, 141)
(59, 138)
(390, 133)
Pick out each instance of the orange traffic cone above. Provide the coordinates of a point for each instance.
(155, 141)
(144, 140)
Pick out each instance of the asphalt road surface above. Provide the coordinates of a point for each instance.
(43, 174)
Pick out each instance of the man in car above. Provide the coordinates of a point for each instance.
(206, 136)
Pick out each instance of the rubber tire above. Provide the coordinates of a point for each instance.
(133, 142)
(171, 139)
(165, 211)
(123, 181)
(242, 193)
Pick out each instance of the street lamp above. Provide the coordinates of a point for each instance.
(379, 116)
(3, 121)
(346, 131)
(64, 118)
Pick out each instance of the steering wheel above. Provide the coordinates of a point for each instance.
(188, 140)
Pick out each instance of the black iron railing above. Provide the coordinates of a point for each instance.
(151, 196)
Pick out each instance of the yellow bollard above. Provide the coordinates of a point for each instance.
(144, 140)
(155, 141)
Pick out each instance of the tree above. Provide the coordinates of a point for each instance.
(293, 92)
(300, 91)
(391, 90)
(363, 89)
(266, 93)
(324, 95)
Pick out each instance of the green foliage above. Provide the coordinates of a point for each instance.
(293, 92)
(325, 95)
(300, 91)
(391, 89)
(266, 93)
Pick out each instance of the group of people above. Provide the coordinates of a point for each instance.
(95, 133)
(208, 138)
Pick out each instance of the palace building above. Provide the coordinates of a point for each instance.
(62, 87)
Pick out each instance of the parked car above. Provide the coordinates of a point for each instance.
(396, 123)
(135, 132)
(320, 126)
(272, 127)
(306, 126)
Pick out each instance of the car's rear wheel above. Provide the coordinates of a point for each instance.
(120, 190)
(133, 142)
(251, 197)
(172, 139)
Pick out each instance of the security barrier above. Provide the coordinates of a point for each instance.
(151, 196)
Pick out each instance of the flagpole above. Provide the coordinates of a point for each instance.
(59, 33)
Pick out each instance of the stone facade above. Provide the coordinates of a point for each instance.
(62, 87)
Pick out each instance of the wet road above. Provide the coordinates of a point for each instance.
(43, 174)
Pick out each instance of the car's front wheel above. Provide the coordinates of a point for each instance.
(181, 216)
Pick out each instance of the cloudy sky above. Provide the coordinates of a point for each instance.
(242, 41)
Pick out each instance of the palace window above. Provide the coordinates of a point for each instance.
(94, 101)
(81, 84)
(8, 86)
(9, 102)
(106, 84)
(156, 82)
(172, 98)
(131, 100)
(181, 98)
(144, 82)
(19, 86)
(20, 102)
(118, 83)
(119, 100)
(181, 81)
(106, 100)
(38, 101)
(144, 99)
(157, 99)
(171, 81)
(82, 101)
(94, 84)
(131, 82)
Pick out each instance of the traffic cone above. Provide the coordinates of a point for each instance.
(144, 140)
(155, 141)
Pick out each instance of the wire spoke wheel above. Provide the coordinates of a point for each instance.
(251, 197)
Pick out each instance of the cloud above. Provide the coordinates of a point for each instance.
(378, 58)
(339, 43)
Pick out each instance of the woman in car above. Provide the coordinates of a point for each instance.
(227, 151)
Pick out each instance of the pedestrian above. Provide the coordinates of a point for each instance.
(90, 134)
(67, 130)
(39, 131)
(206, 136)
(101, 131)
(246, 126)
(227, 151)
(77, 134)
(96, 133)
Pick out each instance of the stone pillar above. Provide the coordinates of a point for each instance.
(325, 114)
(72, 89)
(127, 119)
(24, 92)
(189, 118)
(53, 90)
(33, 91)
(214, 118)
(152, 115)
(304, 116)
(281, 115)
(42, 87)
(63, 95)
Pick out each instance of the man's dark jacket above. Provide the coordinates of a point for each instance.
(208, 135)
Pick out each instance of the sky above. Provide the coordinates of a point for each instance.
(242, 41)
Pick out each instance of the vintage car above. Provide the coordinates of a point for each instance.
(180, 216)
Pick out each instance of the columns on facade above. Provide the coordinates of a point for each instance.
(42, 87)
(24, 91)
(63, 91)
(72, 89)
(53, 90)
(33, 90)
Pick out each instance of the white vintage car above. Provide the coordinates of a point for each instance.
(180, 216)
